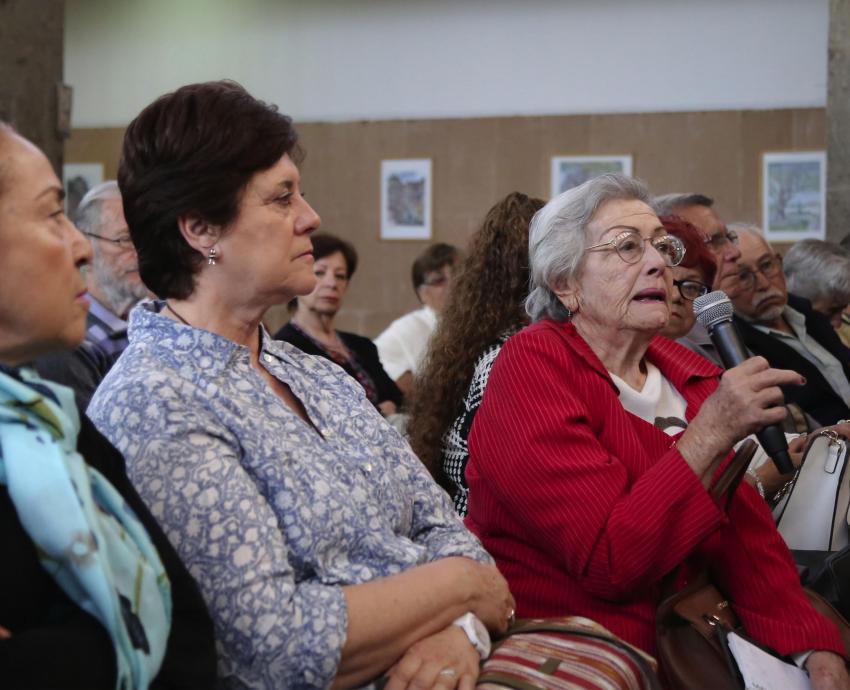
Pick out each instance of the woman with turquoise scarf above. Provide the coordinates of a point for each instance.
(93, 595)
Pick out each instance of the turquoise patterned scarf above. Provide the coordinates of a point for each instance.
(88, 539)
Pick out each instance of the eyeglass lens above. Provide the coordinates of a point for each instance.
(630, 247)
(691, 289)
(768, 268)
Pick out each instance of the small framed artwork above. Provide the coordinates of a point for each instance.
(793, 189)
(571, 171)
(406, 199)
(78, 178)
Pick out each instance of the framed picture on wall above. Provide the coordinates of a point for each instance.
(571, 171)
(406, 199)
(793, 188)
(78, 178)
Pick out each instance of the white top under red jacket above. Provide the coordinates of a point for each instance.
(586, 507)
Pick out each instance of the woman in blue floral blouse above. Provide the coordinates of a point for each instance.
(325, 552)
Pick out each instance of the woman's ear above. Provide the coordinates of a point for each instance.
(569, 297)
(198, 233)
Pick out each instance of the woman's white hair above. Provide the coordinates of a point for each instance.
(816, 269)
(557, 238)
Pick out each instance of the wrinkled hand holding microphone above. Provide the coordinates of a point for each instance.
(714, 312)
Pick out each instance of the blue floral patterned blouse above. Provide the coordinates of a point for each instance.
(270, 517)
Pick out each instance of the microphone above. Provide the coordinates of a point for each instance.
(714, 312)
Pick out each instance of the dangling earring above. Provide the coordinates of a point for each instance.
(211, 256)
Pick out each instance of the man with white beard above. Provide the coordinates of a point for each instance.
(787, 332)
(113, 285)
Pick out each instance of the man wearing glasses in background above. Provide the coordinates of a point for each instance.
(403, 344)
(785, 330)
(113, 285)
(698, 209)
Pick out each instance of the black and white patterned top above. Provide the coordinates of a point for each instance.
(455, 451)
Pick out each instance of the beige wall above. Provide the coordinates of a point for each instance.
(477, 161)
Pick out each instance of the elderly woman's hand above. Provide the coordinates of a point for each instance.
(443, 661)
(748, 398)
(491, 601)
(827, 671)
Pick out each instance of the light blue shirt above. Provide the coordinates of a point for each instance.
(809, 348)
(271, 518)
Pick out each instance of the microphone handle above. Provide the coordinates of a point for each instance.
(772, 439)
(729, 346)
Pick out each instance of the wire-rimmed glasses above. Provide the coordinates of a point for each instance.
(720, 239)
(630, 247)
(769, 266)
(123, 242)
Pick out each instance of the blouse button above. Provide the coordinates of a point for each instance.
(268, 358)
(367, 467)
(327, 433)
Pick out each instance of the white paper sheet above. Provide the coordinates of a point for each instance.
(763, 671)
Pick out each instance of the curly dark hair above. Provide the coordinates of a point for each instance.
(486, 301)
(194, 151)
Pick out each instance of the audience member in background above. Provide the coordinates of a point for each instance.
(788, 333)
(819, 271)
(484, 309)
(325, 551)
(311, 325)
(403, 343)
(691, 279)
(93, 595)
(844, 328)
(113, 285)
(583, 500)
(698, 209)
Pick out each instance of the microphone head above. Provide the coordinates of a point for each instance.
(713, 308)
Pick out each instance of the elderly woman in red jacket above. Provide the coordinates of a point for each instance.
(583, 500)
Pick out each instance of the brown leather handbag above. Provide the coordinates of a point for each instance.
(690, 651)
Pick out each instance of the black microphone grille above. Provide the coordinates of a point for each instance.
(713, 308)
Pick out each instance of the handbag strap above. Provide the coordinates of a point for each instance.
(721, 492)
(730, 478)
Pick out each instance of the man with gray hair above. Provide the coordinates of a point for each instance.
(113, 285)
(698, 209)
(819, 271)
(788, 333)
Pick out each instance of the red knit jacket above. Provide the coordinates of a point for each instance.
(586, 507)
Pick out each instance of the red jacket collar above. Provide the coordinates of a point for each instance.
(679, 364)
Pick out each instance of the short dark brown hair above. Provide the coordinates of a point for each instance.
(193, 151)
(325, 244)
(432, 259)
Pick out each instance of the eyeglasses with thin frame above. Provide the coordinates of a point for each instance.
(438, 279)
(720, 239)
(769, 267)
(691, 289)
(123, 242)
(630, 247)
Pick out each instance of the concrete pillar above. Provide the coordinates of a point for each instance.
(31, 59)
(838, 122)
